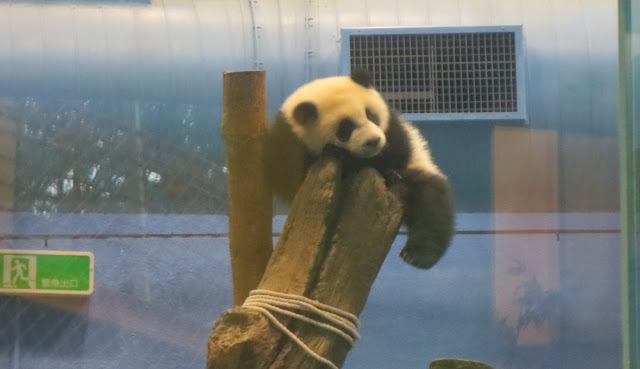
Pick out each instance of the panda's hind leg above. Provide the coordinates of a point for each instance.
(429, 217)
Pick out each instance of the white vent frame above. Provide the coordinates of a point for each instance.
(518, 116)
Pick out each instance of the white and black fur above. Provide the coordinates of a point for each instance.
(346, 112)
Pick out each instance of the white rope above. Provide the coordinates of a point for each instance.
(340, 322)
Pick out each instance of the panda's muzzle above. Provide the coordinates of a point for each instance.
(370, 147)
(372, 143)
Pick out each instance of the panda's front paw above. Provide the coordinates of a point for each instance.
(419, 256)
(391, 177)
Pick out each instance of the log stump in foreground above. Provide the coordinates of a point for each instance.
(337, 235)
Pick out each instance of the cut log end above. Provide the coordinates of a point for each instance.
(240, 337)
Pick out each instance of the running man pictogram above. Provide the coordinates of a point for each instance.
(19, 272)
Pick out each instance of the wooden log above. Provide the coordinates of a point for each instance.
(331, 249)
(457, 364)
(244, 130)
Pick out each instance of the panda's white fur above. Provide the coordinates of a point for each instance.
(420, 154)
(348, 113)
(337, 104)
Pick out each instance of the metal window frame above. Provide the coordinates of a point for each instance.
(518, 117)
(628, 127)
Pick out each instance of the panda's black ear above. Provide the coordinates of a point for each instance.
(362, 77)
(305, 113)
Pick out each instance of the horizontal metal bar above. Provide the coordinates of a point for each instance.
(276, 234)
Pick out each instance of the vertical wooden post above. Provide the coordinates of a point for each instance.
(244, 130)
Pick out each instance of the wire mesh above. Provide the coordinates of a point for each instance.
(143, 187)
(441, 72)
(101, 156)
(154, 307)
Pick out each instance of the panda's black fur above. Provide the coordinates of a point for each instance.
(394, 148)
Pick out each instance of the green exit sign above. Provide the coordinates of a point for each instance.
(46, 272)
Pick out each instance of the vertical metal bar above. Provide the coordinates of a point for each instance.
(354, 41)
(364, 53)
(427, 81)
(383, 46)
(402, 50)
(408, 69)
(464, 58)
(455, 45)
(438, 58)
(381, 64)
(498, 78)
(512, 75)
(628, 125)
(361, 55)
(411, 65)
(493, 69)
(394, 50)
(386, 39)
(388, 61)
(474, 60)
(487, 66)
(462, 72)
(447, 73)
(451, 53)
(441, 63)
(357, 52)
(504, 74)
(481, 75)
(435, 66)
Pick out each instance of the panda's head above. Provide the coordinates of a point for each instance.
(344, 111)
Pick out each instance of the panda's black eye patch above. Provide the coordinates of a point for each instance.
(373, 117)
(345, 129)
(305, 113)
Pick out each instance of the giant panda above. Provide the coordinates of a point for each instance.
(348, 114)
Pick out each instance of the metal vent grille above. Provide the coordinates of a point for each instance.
(441, 72)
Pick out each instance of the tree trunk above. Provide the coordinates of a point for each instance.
(336, 237)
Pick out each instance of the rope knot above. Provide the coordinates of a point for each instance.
(329, 318)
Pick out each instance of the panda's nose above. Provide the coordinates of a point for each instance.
(373, 142)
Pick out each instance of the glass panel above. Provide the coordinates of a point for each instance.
(129, 165)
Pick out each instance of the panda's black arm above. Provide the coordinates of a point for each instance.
(284, 160)
(397, 152)
(429, 217)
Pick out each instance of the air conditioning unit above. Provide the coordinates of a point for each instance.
(443, 73)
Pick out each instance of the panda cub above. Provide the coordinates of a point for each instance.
(347, 113)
